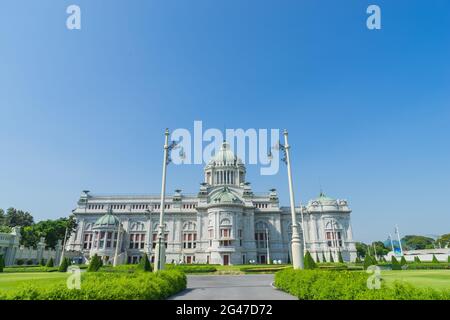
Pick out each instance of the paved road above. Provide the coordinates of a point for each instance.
(231, 287)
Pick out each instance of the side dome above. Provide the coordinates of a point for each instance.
(324, 200)
(323, 204)
(108, 220)
(224, 196)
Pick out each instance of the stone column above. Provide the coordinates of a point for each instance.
(58, 251)
(40, 249)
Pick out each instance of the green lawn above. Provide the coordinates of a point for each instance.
(10, 281)
(436, 279)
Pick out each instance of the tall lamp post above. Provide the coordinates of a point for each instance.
(296, 244)
(116, 252)
(160, 254)
(148, 213)
(399, 241)
(267, 245)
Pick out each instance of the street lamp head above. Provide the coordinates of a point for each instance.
(166, 132)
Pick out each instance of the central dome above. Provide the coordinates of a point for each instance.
(225, 157)
(107, 221)
(225, 168)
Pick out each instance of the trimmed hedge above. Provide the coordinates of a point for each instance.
(191, 268)
(428, 265)
(18, 269)
(332, 266)
(268, 269)
(108, 286)
(345, 285)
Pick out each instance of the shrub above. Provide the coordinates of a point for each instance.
(324, 259)
(435, 260)
(50, 263)
(403, 261)
(395, 264)
(64, 265)
(358, 260)
(2, 263)
(42, 262)
(309, 261)
(368, 261)
(448, 259)
(340, 259)
(108, 286)
(417, 260)
(331, 257)
(144, 264)
(317, 258)
(30, 262)
(20, 262)
(95, 264)
(346, 285)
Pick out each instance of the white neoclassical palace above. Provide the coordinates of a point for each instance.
(225, 223)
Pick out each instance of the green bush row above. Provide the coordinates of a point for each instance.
(107, 286)
(265, 269)
(192, 268)
(427, 265)
(346, 285)
(17, 269)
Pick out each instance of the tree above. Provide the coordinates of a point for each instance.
(51, 230)
(42, 262)
(50, 263)
(95, 264)
(144, 264)
(435, 260)
(309, 262)
(64, 265)
(403, 261)
(414, 242)
(340, 258)
(5, 229)
(380, 248)
(395, 264)
(361, 249)
(448, 259)
(417, 260)
(358, 259)
(331, 257)
(444, 240)
(2, 217)
(2, 263)
(19, 218)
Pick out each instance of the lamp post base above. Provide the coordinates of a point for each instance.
(159, 257)
(297, 250)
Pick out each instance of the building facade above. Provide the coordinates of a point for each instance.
(225, 223)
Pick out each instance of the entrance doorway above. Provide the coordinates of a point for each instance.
(226, 259)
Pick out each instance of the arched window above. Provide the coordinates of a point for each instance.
(261, 234)
(333, 234)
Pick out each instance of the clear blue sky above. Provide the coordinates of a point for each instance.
(368, 111)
